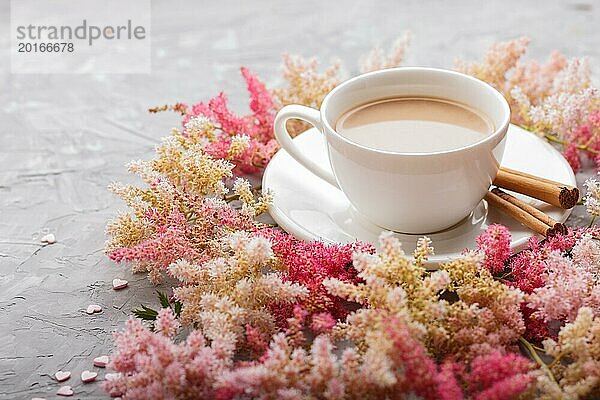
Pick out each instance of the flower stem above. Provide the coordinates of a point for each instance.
(556, 139)
(231, 197)
(592, 221)
(537, 359)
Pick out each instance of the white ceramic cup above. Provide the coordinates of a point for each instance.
(405, 192)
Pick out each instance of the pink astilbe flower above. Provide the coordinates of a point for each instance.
(571, 153)
(394, 366)
(420, 373)
(529, 271)
(152, 366)
(323, 322)
(586, 253)
(256, 340)
(494, 243)
(223, 126)
(261, 104)
(169, 243)
(554, 100)
(166, 324)
(568, 287)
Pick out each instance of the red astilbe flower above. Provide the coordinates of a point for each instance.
(498, 376)
(494, 243)
(262, 106)
(309, 263)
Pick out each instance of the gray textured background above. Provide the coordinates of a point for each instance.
(63, 138)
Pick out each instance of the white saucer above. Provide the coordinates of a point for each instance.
(311, 209)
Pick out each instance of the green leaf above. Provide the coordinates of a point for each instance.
(145, 313)
(177, 309)
(163, 299)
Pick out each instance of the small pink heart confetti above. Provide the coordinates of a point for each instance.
(112, 377)
(101, 361)
(119, 283)
(62, 376)
(65, 391)
(49, 238)
(93, 308)
(88, 376)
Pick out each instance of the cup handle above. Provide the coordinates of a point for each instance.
(313, 117)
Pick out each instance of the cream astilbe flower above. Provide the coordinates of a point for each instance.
(189, 167)
(554, 100)
(499, 59)
(423, 250)
(243, 189)
(579, 345)
(227, 293)
(305, 85)
(377, 60)
(485, 317)
(126, 230)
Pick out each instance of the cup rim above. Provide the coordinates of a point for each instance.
(498, 132)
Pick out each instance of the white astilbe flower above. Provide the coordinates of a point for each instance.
(239, 144)
(198, 124)
(243, 189)
(592, 198)
(423, 250)
(438, 280)
(586, 254)
(226, 294)
(560, 113)
(575, 77)
(216, 267)
(390, 245)
(258, 250)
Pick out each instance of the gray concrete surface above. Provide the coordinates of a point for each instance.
(63, 138)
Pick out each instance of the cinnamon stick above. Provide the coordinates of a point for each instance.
(543, 217)
(555, 193)
(519, 214)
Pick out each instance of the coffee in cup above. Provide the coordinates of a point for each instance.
(414, 125)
